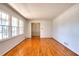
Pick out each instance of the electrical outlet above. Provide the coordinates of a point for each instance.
(66, 43)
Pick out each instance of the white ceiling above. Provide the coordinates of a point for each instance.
(40, 10)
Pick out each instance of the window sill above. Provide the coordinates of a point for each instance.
(2, 40)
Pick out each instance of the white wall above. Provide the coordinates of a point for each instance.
(45, 28)
(8, 44)
(65, 28)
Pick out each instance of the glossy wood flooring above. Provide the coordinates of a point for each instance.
(40, 47)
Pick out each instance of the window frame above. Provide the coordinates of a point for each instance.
(4, 25)
(9, 26)
(21, 26)
(14, 26)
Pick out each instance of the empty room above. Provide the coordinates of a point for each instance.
(39, 29)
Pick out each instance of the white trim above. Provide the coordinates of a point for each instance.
(2, 40)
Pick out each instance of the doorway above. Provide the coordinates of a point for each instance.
(35, 29)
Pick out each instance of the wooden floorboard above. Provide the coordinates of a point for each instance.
(40, 47)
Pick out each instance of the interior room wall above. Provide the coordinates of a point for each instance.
(65, 28)
(45, 28)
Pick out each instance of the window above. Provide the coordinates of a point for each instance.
(0, 32)
(0, 27)
(10, 26)
(17, 26)
(4, 25)
(14, 26)
(21, 27)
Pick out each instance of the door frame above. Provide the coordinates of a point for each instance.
(31, 28)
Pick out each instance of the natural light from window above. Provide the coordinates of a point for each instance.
(10, 26)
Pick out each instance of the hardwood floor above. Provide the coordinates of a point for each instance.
(40, 47)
